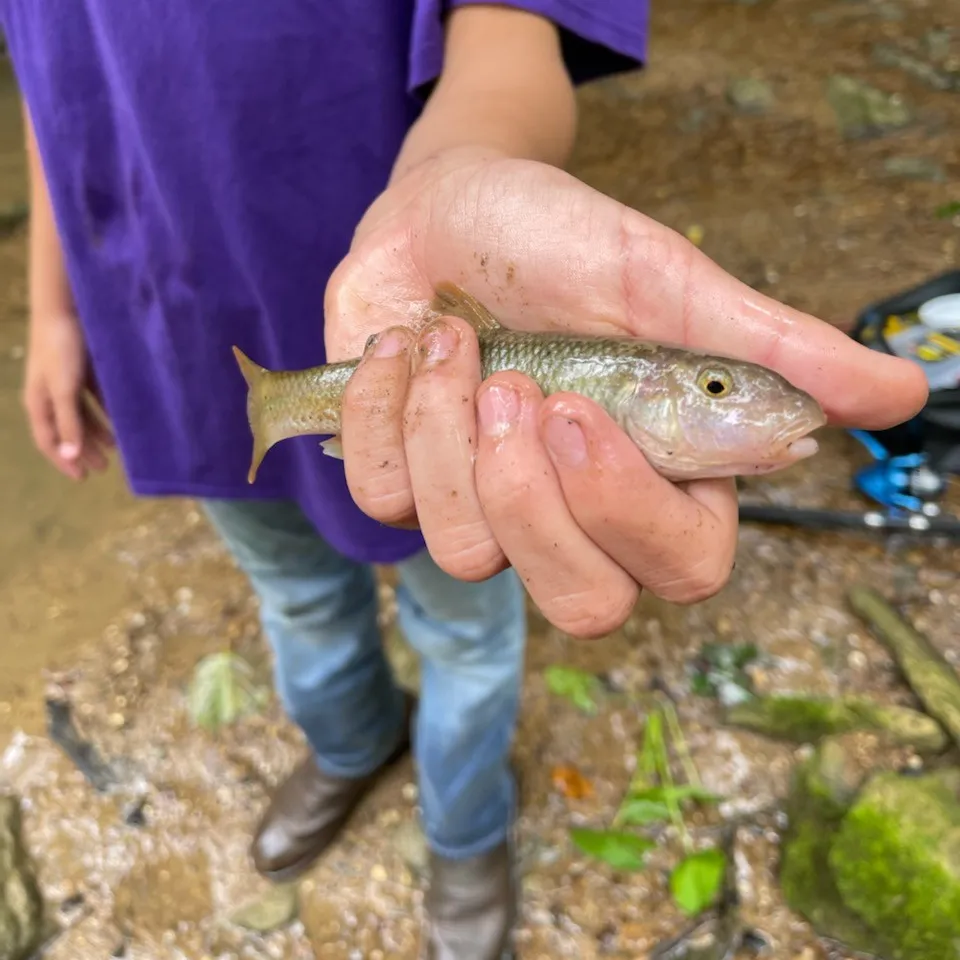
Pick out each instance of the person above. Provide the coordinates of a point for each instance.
(296, 179)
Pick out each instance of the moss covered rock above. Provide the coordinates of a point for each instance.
(823, 789)
(22, 920)
(875, 864)
(809, 719)
(931, 677)
(896, 861)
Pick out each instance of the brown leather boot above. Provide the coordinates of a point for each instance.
(471, 907)
(309, 810)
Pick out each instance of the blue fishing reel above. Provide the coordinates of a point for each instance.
(904, 483)
(913, 461)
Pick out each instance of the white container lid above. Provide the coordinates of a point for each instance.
(941, 313)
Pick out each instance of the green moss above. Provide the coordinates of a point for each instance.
(875, 866)
(22, 926)
(822, 790)
(809, 719)
(931, 677)
(896, 862)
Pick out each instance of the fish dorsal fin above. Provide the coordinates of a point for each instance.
(451, 301)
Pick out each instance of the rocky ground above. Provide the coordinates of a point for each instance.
(751, 130)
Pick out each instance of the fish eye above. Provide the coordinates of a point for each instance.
(715, 382)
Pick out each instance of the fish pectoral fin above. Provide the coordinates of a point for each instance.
(451, 301)
(333, 447)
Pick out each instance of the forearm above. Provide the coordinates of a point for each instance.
(48, 287)
(504, 90)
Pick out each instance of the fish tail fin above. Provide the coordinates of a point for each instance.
(450, 300)
(256, 378)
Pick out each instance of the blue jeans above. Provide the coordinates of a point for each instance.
(319, 614)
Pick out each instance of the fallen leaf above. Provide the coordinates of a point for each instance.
(571, 783)
(223, 690)
(274, 908)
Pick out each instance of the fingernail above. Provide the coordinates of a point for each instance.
(438, 342)
(69, 451)
(565, 441)
(497, 408)
(388, 344)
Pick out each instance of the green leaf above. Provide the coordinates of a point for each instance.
(223, 690)
(578, 686)
(697, 879)
(949, 210)
(719, 671)
(621, 850)
(702, 685)
(637, 812)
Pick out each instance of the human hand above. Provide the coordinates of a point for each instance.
(552, 486)
(64, 426)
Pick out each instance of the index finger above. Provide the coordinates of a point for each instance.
(856, 386)
(679, 544)
(42, 421)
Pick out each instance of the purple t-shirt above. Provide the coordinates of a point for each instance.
(208, 162)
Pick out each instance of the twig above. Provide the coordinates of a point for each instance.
(82, 752)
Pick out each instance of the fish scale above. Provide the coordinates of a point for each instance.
(595, 367)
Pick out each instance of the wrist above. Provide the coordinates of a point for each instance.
(45, 315)
(430, 164)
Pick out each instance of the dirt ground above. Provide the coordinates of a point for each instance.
(111, 601)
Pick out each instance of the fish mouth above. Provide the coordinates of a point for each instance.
(795, 443)
(800, 449)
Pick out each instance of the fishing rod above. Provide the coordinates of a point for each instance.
(872, 521)
(906, 488)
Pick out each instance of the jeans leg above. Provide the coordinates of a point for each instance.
(319, 614)
(471, 639)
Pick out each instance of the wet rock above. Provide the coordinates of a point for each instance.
(937, 43)
(60, 726)
(273, 909)
(931, 677)
(750, 94)
(411, 845)
(134, 814)
(914, 168)
(896, 859)
(889, 56)
(874, 862)
(863, 110)
(22, 917)
(809, 719)
(402, 657)
(694, 120)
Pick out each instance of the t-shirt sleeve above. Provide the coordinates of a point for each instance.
(598, 37)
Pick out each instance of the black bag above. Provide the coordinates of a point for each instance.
(935, 431)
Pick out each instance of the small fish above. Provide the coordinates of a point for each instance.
(692, 415)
